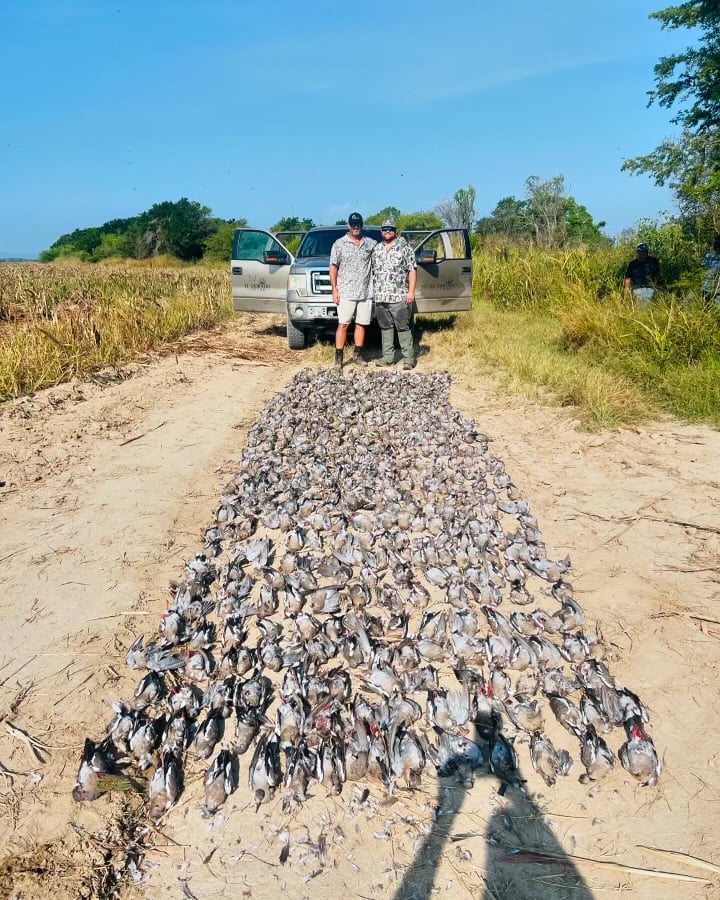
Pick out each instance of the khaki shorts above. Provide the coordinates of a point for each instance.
(360, 310)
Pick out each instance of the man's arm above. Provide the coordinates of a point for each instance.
(412, 272)
(412, 281)
(333, 283)
(627, 284)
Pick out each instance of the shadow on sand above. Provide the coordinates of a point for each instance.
(517, 823)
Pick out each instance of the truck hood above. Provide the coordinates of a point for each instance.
(311, 262)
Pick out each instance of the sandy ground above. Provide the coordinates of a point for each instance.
(108, 486)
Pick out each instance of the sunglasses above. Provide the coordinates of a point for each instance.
(388, 229)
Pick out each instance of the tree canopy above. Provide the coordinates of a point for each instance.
(690, 163)
(548, 216)
(292, 223)
(422, 220)
(692, 75)
(184, 229)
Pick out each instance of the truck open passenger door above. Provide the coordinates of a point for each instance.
(259, 266)
(444, 271)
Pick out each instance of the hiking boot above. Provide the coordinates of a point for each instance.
(358, 358)
(338, 360)
(409, 364)
(382, 363)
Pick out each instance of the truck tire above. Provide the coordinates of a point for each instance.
(296, 339)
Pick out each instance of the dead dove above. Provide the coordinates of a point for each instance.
(221, 779)
(638, 755)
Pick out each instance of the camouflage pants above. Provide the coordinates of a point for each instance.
(391, 317)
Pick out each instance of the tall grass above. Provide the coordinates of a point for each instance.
(522, 350)
(60, 321)
(559, 319)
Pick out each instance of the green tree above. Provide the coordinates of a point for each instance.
(422, 220)
(690, 163)
(694, 75)
(218, 245)
(580, 228)
(292, 223)
(113, 246)
(509, 218)
(690, 166)
(179, 228)
(388, 212)
(548, 216)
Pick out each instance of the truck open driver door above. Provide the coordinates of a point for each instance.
(259, 267)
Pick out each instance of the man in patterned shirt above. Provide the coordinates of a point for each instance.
(394, 275)
(350, 279)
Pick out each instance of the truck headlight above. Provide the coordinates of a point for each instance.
(298, 312)
(298, 283)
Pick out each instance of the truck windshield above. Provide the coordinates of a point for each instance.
(319, 243)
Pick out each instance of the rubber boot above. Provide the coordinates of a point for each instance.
(338, 360)
(387, 335)
(407, 346)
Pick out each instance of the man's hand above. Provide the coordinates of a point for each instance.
(410, 298)
(336, 296)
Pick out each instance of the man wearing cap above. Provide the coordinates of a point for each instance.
(394, 275)
(350, 279)
(642, 275)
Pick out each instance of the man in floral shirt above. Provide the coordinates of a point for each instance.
(394, 275)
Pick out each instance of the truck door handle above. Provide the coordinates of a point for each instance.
(465, 270)
(237, 270)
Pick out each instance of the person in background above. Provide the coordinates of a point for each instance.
(394, 273)
(351, 283)
(710, 288)
(642, 275)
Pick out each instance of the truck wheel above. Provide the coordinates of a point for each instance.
(296, 339)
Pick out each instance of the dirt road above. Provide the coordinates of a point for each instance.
(108, 487)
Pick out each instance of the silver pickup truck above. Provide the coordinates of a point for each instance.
(266, 277)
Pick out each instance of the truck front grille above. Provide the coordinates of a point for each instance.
(320, 283)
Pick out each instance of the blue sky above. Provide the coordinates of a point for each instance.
(272, 108)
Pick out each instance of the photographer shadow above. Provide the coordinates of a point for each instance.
(517, 826)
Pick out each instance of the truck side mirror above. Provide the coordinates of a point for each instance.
(275, 257)
(426, 257)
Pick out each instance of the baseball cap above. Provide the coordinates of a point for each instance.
(355, 219)
(389, 223)
(643, 248)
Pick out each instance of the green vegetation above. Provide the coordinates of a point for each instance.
(422, 220)
(557, 319)
(547, 217)
(690, 162)
(184, 229)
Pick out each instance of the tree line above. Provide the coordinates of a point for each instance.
(188, 231)
(184, 229)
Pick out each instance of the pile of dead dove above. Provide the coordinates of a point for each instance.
(344, 622)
